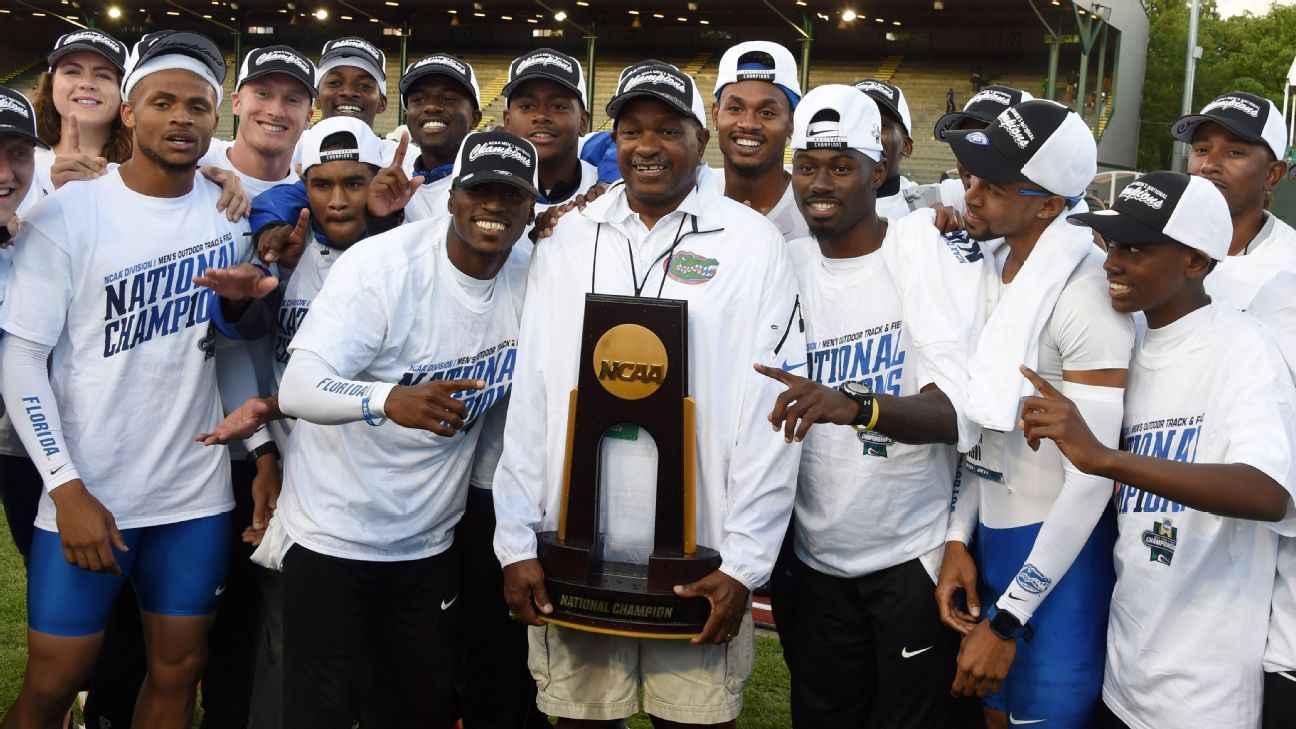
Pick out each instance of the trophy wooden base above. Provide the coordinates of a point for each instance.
(621, 598)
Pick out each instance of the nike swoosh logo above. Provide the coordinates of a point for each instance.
(56, 470)
(906, 653)
(790, 368)
(220, 591)
(445, 604)
(1014, 597)
(1015, 721)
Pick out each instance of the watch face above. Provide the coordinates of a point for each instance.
(1005, 623)
(856, 389)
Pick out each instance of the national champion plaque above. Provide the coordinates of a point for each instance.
(633, 371)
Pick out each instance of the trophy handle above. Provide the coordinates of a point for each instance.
(690, 487)
(567, 466)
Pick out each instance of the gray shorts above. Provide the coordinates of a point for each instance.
(583, 675)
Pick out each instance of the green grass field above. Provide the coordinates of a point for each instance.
(13, 619)
(765, 704)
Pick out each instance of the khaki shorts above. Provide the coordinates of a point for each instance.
(582, 675)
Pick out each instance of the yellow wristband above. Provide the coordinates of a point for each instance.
(874, 418)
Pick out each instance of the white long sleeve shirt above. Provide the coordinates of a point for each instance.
(732, 266)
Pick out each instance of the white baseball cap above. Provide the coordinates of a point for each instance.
(835, 116)
(1161, 206)
(760, 61)
(367, 149)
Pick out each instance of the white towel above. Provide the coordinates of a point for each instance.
(274, 546)
(1012, 332)
(941, 285)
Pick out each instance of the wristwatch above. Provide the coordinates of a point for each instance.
(862, 394)
(1007, 626)
(261, 450)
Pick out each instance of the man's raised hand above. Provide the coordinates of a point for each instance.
(1053, 416)
(238, 283)
(431, 406)
(806, 402)
(234, 200)
(284, 244)
(391, 189)
(242, 423)
(546, 222)
(76, 165)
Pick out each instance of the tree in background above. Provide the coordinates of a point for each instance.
(1243, 53)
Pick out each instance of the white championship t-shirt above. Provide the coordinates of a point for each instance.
(218, 156)
(1083, 333)
(258, 351)
(430, 201)
(42, 178)
(392, 310)
(104, 275)
(302, 288)
(1237, 278)
(1190, 611)
(864, 502)
(1275, 307)
(10, 445)
(894, 207)
(785, 215)
(491, 443)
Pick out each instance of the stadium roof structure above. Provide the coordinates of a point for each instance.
(582, 13)
(1059, 48)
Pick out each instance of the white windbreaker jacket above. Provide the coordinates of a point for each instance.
(732, 266)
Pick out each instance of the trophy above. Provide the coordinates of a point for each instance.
(633, 370)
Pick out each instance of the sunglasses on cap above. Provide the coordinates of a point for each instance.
(1028, 192)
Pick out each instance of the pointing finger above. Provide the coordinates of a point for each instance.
(774, 373)
(298, 235)
(462, 385)
(74, 133)
(399, 160)
(1045, 389)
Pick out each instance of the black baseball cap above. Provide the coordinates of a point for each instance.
(356, 52)
(1250, 117)
(17, 118)
(497, 157)
(660, 81)
(546, 63)
(178, 42)
(890, 99)
(277, 59)
(442, 64)
(89, 39)
(1039, 141)
(1166, 206)
(984, 106)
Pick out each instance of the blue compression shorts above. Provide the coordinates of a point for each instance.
(1057, 676)
(177, 569)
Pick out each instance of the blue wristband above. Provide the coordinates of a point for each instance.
(368, 413)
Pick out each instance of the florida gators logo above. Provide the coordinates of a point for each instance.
(688, 267)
